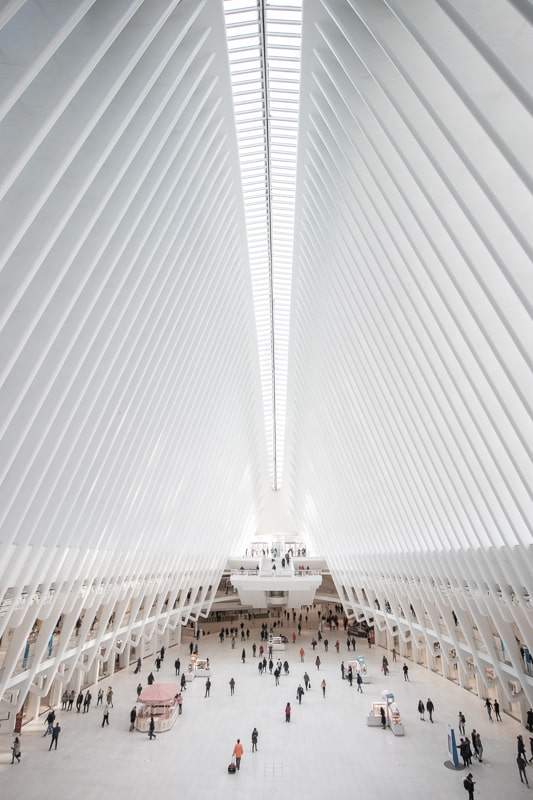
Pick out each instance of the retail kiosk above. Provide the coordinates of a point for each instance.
(198, 668)
(160, 702)
(374, 715)
(359, 666)
(394, 719)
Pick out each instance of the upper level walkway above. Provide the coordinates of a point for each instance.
(272, 581)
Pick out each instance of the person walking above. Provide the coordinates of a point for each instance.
(394, 654)
(467, 752)
(300, 693)
(55, 736)
(473, 737)
(151, 728)
(421, 710)
(243, 655)
(302, 654)
(307, 682)
(133, 717)
(79, 701)
(529, 720)
(288, 712)
(15, 750)
(207, 687)
(255, 737)
(183, 681)
(50, 717)
(430, 708)
(478, 746)
(179, 701)
(383, 718)
(359, 680)
(150, 678)
(100, 696)
(105, 718)
(462, 723)
(139, 689)
(488, 706)
(232, 686)
(497, 711)
(238, 750)
(405, 672)
(323, 685)
(177, 666)
(469, 784)
(317, 662)
(522, 763)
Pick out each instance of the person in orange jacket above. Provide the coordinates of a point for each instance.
(238, 750)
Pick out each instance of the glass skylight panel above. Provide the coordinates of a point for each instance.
(264, 53)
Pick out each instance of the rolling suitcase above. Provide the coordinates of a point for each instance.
(232, 768)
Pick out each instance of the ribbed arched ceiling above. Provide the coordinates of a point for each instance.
(135, 449)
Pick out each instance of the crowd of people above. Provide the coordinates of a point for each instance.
(289, 666)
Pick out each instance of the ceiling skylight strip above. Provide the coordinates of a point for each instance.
(264, 52)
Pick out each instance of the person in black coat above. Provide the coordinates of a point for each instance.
(521, 762)
(469, 783)
(529, 720)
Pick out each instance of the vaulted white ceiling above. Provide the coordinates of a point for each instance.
(133, 433)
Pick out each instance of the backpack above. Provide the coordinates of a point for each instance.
(466, 784)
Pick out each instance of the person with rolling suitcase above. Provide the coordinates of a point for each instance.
(238, 750)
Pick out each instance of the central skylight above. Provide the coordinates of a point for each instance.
(264, 41)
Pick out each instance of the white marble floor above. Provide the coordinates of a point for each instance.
(326, 750)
